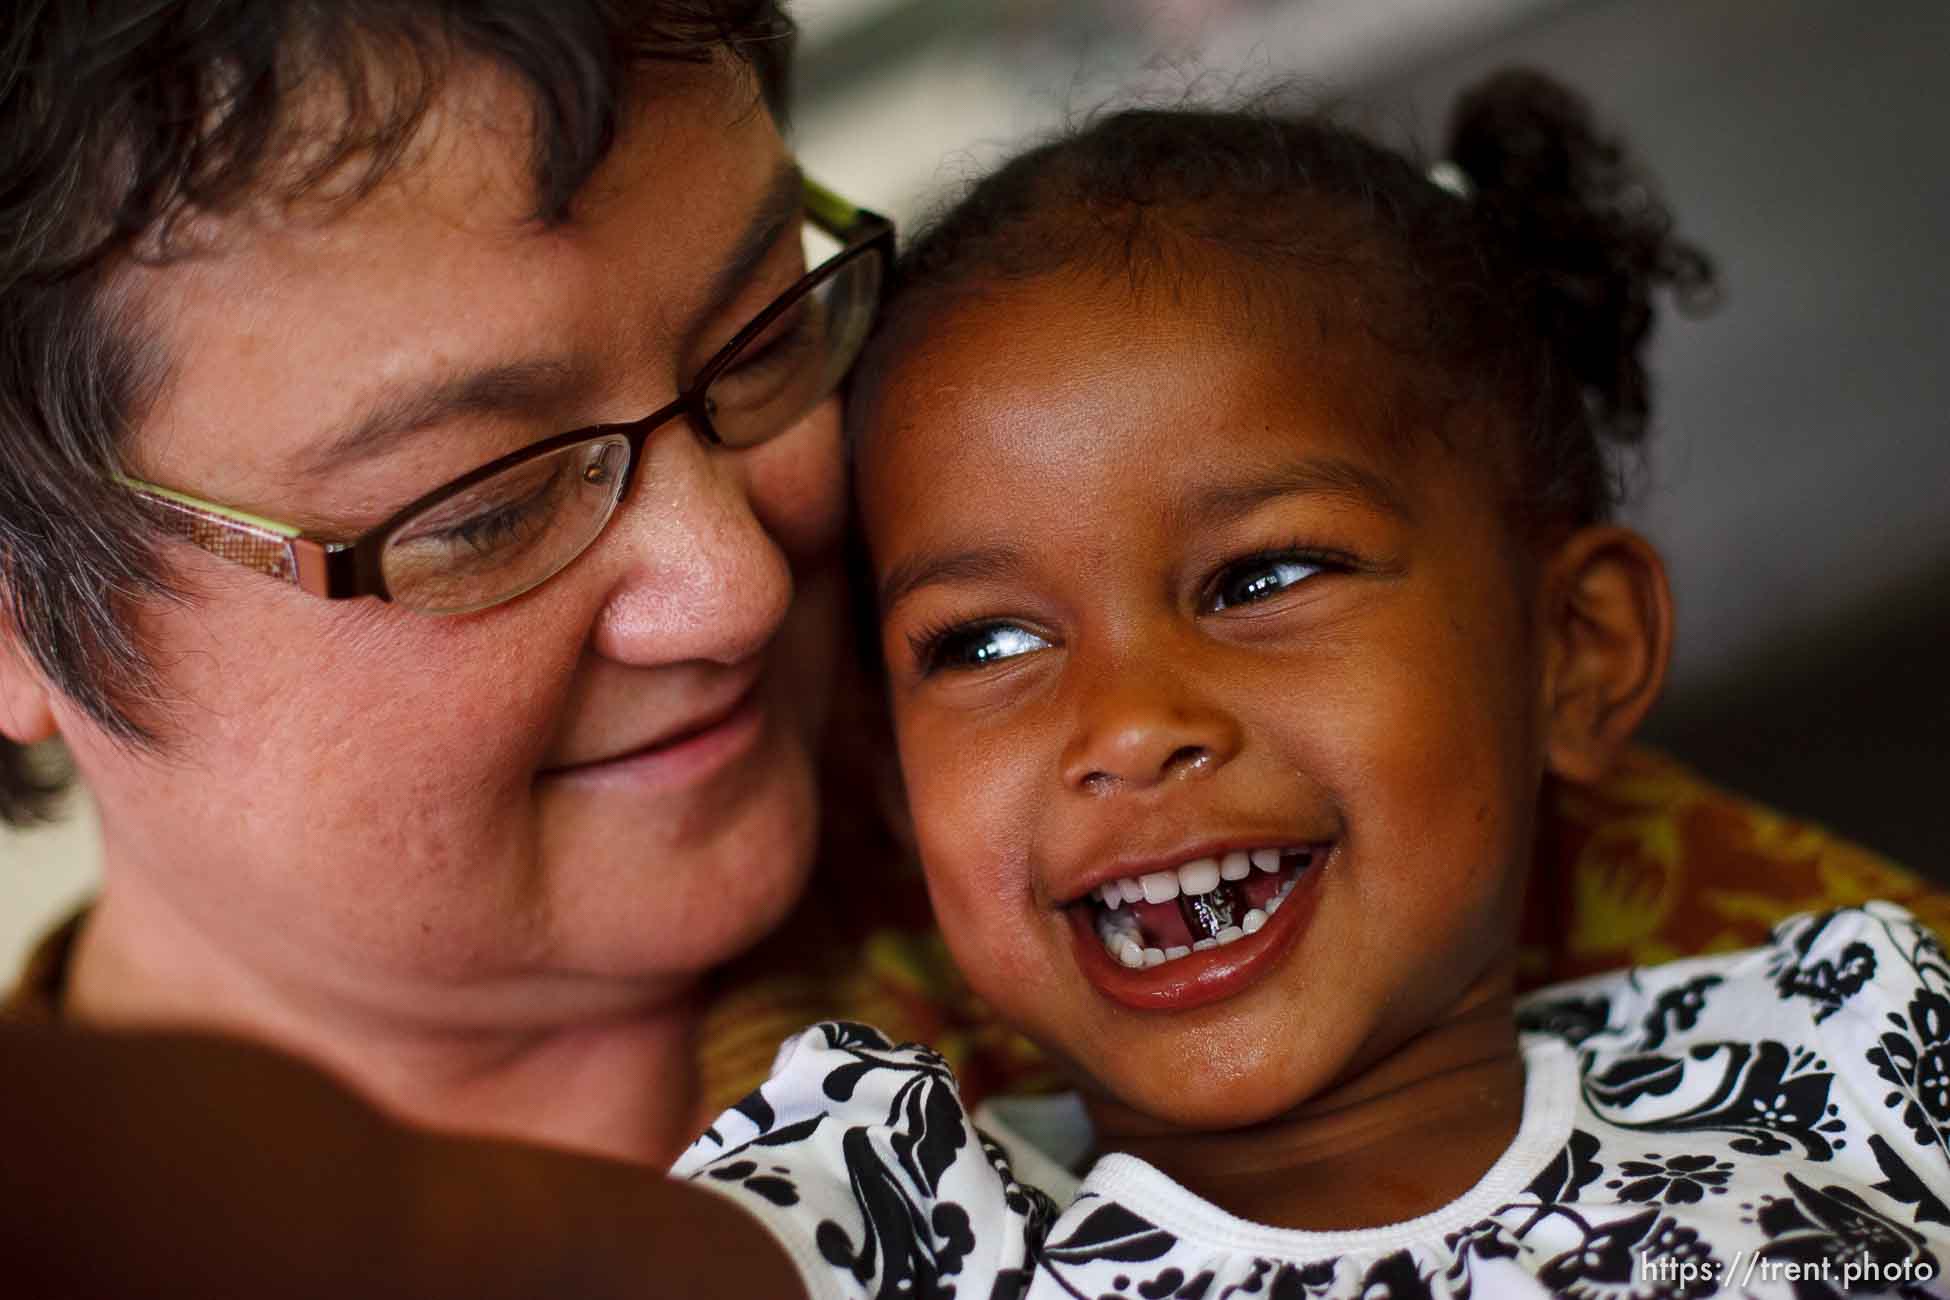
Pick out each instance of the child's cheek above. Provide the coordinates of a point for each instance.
(971, 798)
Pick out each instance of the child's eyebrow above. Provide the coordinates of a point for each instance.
(986, 562)
(1324, 476)
(1327, 476)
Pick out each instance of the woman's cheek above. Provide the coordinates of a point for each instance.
(797, 484)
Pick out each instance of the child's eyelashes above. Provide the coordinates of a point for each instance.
(1263, 576)
(971, 645)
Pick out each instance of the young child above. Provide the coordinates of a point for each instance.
(1237, 495)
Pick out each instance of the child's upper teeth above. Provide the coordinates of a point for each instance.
(1199, 876)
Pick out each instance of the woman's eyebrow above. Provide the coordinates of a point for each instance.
(784, 197)
(414, 405)
(410, 407)
(927, 567)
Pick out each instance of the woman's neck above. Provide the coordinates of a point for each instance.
(1404, 1137)
(620, 1082)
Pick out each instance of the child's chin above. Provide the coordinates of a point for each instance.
(1207, 1105)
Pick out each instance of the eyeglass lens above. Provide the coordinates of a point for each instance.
(502, 536)
(800, 356)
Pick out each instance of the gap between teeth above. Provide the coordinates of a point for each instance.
(1120, 934)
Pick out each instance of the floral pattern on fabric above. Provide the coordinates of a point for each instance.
(1761, 1123)
(1914, 1052)
(896, 1171)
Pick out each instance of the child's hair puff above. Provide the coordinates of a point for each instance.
(1520, 278)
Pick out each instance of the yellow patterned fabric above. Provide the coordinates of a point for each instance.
(1652, 864)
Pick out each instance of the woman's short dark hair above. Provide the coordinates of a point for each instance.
(117, 118)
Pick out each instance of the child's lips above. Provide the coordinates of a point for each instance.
(1207, 975)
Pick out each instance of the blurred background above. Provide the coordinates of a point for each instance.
(1799, 482)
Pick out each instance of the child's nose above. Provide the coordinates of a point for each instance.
(1146, 732)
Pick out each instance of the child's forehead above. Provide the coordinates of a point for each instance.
(1145, 393)
(1014, 353)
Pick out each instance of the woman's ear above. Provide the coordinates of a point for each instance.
(26, 705)
(1609, 634)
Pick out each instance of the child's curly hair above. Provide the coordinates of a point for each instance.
(1520, 279)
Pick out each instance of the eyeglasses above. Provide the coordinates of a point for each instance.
(502, 529)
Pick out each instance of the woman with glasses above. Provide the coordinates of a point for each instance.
(420, 522)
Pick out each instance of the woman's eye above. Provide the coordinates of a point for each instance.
(497, 516)
(496, 528)
(1256, 579)
(976, 647)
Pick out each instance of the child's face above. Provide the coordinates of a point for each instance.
(1155, 603)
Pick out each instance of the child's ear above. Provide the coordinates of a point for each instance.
(1608, 611)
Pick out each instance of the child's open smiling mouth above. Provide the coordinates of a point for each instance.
(1186, 933)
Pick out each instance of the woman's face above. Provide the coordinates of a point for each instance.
(567, 805)
(1162, 615)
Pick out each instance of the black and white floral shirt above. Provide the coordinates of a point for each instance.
(1766, 1123)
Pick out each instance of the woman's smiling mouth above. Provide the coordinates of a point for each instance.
(686, 754)
(1183, 936)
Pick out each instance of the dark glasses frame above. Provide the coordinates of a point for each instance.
(343, 570)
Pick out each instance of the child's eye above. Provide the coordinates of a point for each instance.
(1259, 577)
(974, 646)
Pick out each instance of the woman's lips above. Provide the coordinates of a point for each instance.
(692, 755)
(1206, 976)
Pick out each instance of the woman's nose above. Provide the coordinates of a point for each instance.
(698, 577)
(1145, 729)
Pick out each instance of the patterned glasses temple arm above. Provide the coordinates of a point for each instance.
(262, 545)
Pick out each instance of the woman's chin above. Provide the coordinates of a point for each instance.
(643, 904)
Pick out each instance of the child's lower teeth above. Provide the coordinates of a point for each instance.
(1124, 939)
